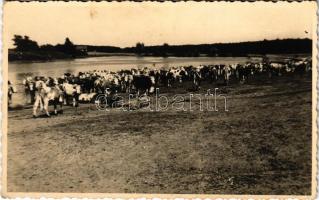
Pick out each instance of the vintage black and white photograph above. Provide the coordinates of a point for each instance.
(161, 98)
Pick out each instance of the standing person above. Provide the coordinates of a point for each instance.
(196, 79)
(29, 89)
(38, 96)
(11, 90)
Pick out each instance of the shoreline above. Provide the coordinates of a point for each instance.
(291, 56)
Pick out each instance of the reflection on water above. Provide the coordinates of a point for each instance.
(19, 70)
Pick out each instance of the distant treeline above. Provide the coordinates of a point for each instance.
(27, 49)
(285, 46)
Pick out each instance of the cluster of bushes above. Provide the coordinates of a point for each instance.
(27, 49)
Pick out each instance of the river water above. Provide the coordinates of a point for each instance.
(19, 70)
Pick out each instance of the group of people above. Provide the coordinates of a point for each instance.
(84, 86)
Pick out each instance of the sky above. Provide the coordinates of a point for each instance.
(124, 24)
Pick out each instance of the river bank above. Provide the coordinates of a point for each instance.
(246, 150)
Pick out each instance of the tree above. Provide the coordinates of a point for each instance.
(139, 48)
(165, 49)
(24, 43)
(69, 47)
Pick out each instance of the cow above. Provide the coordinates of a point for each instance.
(71, 91)
(44, 96)
(300, 68)
(87, 97)
(126, 83)
(144, 84)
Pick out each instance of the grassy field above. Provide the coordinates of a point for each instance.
(262, 145)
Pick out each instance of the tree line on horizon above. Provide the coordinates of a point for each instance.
(278, 46)
(27, 49)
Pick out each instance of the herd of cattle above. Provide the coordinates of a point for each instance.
(83, 87)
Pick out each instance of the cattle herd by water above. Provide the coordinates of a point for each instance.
(70, 89)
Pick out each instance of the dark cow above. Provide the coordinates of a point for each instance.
(144, 84)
